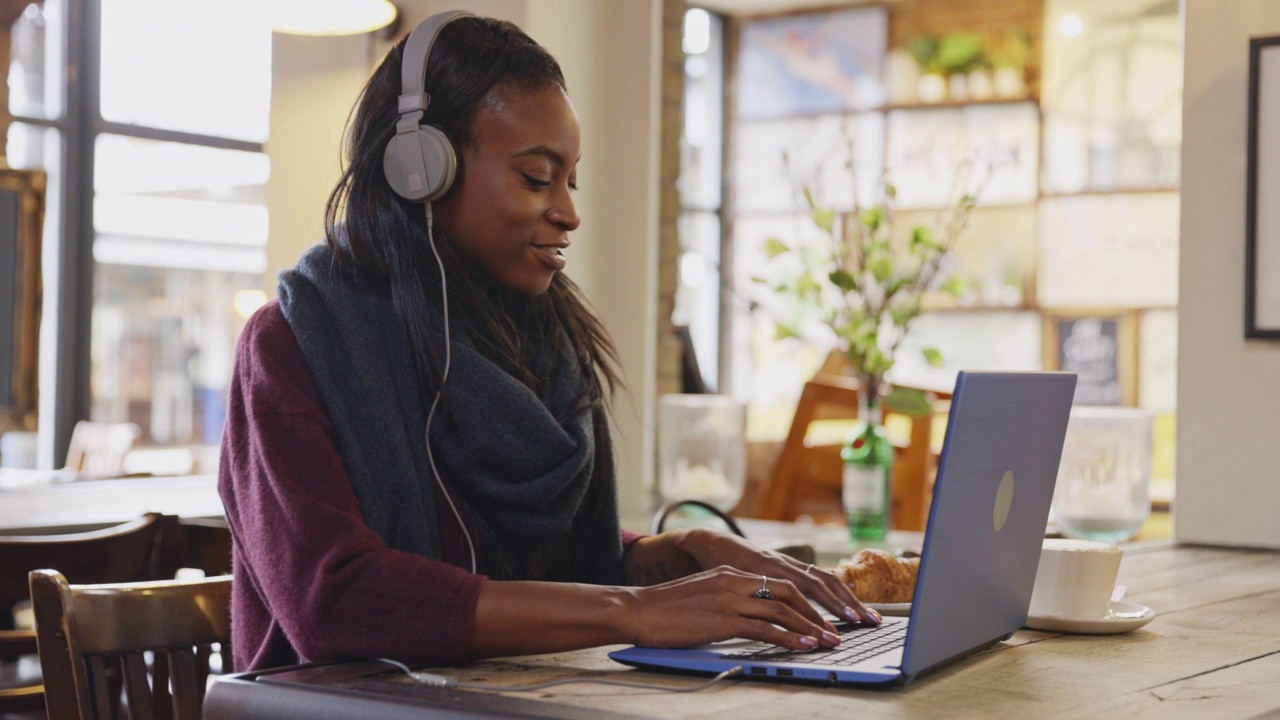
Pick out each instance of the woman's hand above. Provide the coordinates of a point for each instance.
(721, 604)
(679, 553)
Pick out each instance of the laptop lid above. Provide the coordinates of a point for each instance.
(982, 544)
(990, 508)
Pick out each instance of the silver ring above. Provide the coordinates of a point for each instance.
(763, 593)
(806, 570)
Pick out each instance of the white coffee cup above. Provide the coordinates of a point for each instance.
(1075, 579)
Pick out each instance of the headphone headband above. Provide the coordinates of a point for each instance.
(419, 161)
(413, 69)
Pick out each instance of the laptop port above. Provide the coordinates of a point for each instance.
(759, 671)
(784, 672)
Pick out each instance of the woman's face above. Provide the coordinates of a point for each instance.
(511, 211)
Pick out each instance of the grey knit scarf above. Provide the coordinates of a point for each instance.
(494, 440)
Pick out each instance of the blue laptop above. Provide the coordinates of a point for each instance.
(981, 547)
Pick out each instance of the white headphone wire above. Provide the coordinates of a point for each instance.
(444, 376)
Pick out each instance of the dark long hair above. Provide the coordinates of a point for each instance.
(381, 238)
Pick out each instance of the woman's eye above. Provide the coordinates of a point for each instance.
(535, 183)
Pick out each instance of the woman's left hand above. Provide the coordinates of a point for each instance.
(700, 549)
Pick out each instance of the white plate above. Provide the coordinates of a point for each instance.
(898, 609)
(1121, 617)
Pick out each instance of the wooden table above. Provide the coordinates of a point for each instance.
(1213, 652)
(33, 502)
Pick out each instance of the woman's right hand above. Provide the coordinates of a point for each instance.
(719, 604)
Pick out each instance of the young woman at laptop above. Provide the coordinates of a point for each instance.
(417, 461)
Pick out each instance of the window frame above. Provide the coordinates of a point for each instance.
(74, 269)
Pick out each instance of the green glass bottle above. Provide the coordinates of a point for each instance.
(868, 466)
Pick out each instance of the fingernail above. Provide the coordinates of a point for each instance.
(849, 613)
(875, 615)
(809, 642)
(831, 638)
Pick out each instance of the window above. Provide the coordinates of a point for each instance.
(698, 297)
(157, 201)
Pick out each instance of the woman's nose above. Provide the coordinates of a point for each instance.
(564, 213)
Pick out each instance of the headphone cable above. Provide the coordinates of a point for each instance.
(444, 376)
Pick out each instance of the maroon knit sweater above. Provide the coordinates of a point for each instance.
(312, 581)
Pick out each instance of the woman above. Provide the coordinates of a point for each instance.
(433, 481)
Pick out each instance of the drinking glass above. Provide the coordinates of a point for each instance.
(1103, 490)
(702, 450)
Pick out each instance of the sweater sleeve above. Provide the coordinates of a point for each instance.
(311, 577)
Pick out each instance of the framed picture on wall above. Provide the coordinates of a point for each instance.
(1262, 218)
(812, 63)
(1100, 347)
(21, 221)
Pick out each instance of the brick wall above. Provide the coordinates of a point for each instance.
(668, 361)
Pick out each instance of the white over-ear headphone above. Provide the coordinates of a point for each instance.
(419, 161)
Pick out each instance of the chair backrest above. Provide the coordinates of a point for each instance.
(200, 543)
(802, 469)
(98, 449)
(125, 553)
(83, 630)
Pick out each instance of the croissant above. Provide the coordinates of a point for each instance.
(876, 576)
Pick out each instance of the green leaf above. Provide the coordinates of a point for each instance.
(872, 217)
(807, 286)
(890, 190)
(782, 332)
(955, 286)
(760, 280)
(908, 400)
(903, 314)
(922, 236)
(843, 280)
(773, 247)
(808, 197)
(824, 218)
(881, 267)
(933, 357)
(967, 201)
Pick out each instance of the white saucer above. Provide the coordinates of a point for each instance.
(896, 609)
(1121, 617)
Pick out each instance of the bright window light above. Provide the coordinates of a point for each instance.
(697, 31)
(1070, 25)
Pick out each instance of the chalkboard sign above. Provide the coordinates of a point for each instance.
(1101, 349)
(21, 223)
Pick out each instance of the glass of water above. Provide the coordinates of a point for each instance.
(1103, 490)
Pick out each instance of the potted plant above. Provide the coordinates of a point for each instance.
(864, 281)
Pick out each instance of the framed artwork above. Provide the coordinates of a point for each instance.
(995, 256)
(825, 62)
(928, 146)
(1100, 347)
(1136, 234)
(1112, 97)
(1262, 218)
(22, 194)
(968, 340)
(816, 151)
(1158, 361)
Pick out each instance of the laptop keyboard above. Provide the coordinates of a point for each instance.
(857, 642)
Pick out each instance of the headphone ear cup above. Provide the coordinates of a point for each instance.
(420, 164)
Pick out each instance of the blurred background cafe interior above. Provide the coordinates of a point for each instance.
(1050, 184)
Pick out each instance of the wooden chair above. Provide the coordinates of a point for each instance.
(98, 449)
(815, 472)
(84, 630)
(199, 543)
(124, 553)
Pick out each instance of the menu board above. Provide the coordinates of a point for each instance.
(1100, 348)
